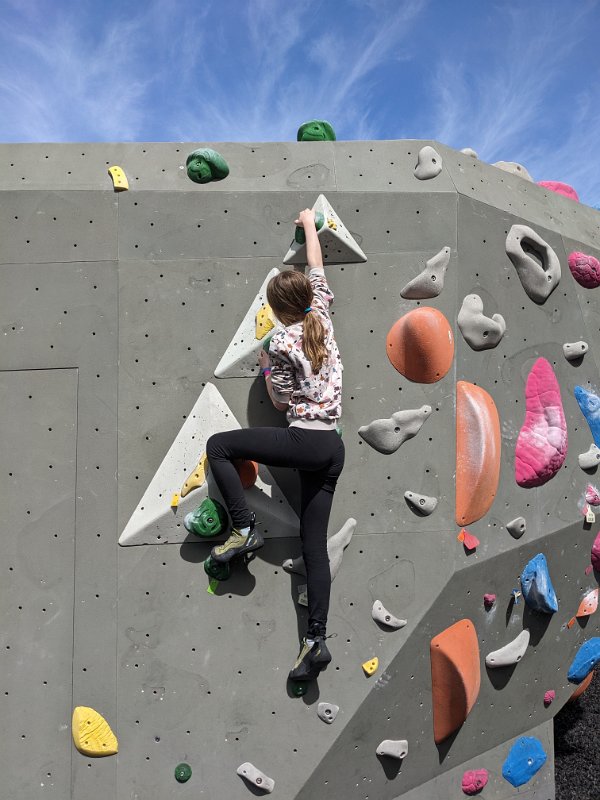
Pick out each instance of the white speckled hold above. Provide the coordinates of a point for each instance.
(479, 332)
(573, 351)
(335, 550)
(302, 590)
(327, 712)
(255, 776)
(430, 282)
(516, 527)
(589, 459)
(386, 435)
(380, 614)
(511, 653)
(429, 163)
(421, 502)
(393, 748)
(538, 280)
(514, 169)
(468, 151)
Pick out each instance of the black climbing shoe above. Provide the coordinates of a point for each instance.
(311, 660)
(238, 545)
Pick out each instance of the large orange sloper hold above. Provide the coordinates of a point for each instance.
(455, 677)
(420, 345)
(477, 452)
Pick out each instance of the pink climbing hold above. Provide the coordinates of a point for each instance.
(596, 553)
(542, 442)
(549, 697)
(592, 496)
(585, 269)
(469, 541)
(560, 188)
(489, 600)
(474, 781)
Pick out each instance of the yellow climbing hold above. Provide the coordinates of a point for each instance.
(264, 321)
(371, 666)
(175, 500)
(331, 223)
(92, 735)
(119, 179)
(197, 477)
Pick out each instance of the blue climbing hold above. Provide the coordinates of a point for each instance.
(525, 758)
(538, 591)
(586, 658)
(590, 408)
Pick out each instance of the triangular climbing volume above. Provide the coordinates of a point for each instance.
(154, 521)
(337, 243)
(240, 360)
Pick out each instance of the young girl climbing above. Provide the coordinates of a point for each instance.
(303, 374)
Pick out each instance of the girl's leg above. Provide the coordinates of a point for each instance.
(274, 447)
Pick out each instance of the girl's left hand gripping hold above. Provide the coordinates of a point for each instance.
(264, 361)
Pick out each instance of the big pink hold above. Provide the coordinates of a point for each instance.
(596, 553)
(542, 442)
(560, 188)
(474, 780)
(585, 269)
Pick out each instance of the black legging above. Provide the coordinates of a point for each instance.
(319, 458)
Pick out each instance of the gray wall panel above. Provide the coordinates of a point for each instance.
(38, 432)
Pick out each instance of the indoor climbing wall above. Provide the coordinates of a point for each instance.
(462, 537)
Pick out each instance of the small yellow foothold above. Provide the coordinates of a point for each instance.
(197, 477)
(175, 500)
(92, 734)
(371, 666)
(120, 182)
(331, 223)
(264, 321)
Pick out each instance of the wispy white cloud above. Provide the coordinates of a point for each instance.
(510, 102)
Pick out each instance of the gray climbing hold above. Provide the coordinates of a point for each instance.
(511, 653)
(589, 459)
(539, 281)
(480, 332)
(516, 527)
(327, 712)
(393, 748)
(430, 282)
(429, 164)
(336, 545)
(386, 435)
(421, 502)
(514, 169)
(468, 151)
(380, 614)
(255, 776)
(303, 595)
(574, 350)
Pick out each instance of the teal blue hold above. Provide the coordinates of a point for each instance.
(526, 757)
(536, 586)
(586, 659)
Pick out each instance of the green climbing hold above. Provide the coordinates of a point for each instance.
(300, 236)
(299, 688)
(206, 165)
(267, 342)
(209, 519)
(215, 569)
(316, 130)
(183, 772)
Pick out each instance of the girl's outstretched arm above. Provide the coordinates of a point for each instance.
(314, 256)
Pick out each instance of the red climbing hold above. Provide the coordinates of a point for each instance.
(560, 188)
(469, 541)
(542, 442)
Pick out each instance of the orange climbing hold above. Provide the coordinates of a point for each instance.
(247, 470)
(469, 541)
(477, 452)
(420, 345)
(582, 687)
(588, 605)
(455, 677)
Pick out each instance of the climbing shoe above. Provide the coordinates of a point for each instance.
(312, 658)
(237, 544)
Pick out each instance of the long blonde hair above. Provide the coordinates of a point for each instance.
(289, 293)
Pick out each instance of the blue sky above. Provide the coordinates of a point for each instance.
(517, 81)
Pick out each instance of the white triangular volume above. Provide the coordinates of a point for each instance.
(155, 522)
(241, 357)
(337, 243)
